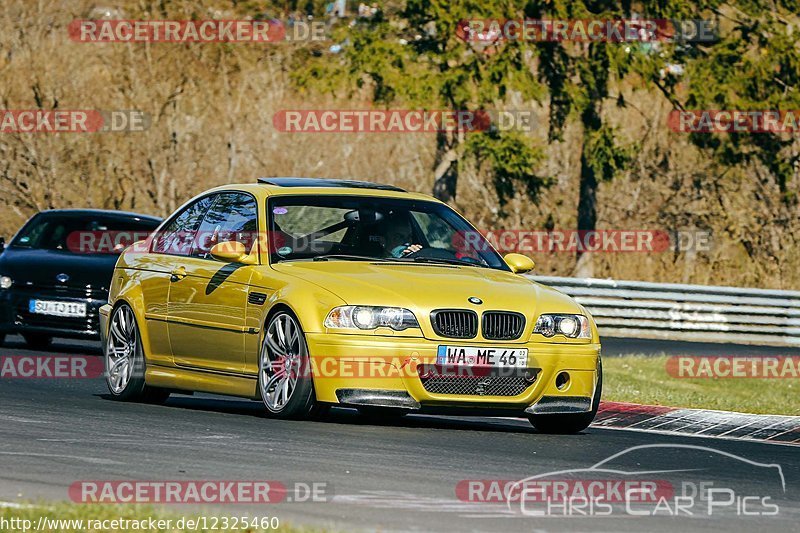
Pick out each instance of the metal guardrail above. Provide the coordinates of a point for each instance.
(701, 313)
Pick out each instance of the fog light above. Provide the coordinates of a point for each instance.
(562, 380)
(6, 282)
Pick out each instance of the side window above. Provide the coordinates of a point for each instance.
(233, 217)
(177, 236)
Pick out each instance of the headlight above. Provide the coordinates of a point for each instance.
(571, 326)
(368, 317)
(6, 282)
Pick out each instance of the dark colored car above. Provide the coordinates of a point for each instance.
(55, 273)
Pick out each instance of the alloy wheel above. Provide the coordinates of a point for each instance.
(121, 350)
(281, 362)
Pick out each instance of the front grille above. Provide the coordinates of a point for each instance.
(92, 296)
(455, 323)
(62, 291)
(476, 385)
(502, 325)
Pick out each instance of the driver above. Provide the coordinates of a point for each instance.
(398, 237)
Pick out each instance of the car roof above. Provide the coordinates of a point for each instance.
(294, 186)
(103, 212)
(327, 183)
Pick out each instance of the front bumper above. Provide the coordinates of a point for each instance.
(384, 371)
(15, 316)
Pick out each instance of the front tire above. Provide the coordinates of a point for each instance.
(284, 377)
(570, 423)
(125, 362)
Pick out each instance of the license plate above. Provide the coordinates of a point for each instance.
(53, 308)
(474, 356)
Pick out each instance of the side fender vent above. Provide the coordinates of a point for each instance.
(257, 298)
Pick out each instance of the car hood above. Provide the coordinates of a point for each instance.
(427, 287)
(40, 267)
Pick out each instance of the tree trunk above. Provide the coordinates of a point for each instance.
(587, 199)
(445, 172)
(597, 85)
(587, 215)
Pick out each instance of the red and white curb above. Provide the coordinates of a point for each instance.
(777, 429)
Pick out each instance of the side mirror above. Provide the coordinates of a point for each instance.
(232, 252)
(519, 263)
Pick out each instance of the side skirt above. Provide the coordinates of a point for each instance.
(200, 381)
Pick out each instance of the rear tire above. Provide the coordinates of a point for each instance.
(285, 384)
(570, 423)
(154, 396)
(125, 362)
(37, 341)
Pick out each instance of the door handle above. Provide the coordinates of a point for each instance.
(177, 274)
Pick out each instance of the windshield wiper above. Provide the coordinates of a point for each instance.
(348, 257)
(444, 261)
(428, 260)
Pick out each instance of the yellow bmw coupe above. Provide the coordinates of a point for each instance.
(306, 293)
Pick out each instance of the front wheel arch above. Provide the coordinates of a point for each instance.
(136, 388)
(277, 308)
(303, 403)
(130, 293)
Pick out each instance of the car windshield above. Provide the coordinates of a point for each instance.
(84, 233)
(339, 227)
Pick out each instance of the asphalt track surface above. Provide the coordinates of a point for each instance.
(390, 476)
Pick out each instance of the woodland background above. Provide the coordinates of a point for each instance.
(601, 154)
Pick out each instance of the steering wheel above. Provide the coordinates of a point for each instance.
(432, 253)
(441, 253)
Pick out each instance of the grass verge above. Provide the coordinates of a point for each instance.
(644, 379)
